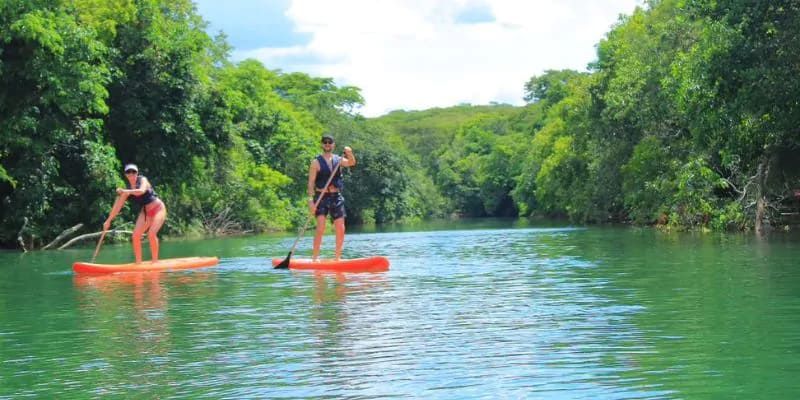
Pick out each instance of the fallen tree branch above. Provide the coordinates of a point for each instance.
(223, 223)
(64, 234)
(730, 183)
(90, 236)
(19, 235)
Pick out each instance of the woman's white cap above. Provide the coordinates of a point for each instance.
(129, 167)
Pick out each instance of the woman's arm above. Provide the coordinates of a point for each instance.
(137, 192)
(118, 203)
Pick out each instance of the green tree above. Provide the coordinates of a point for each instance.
(52, 98)
(739, 86)
(320, 96)
(158, 75)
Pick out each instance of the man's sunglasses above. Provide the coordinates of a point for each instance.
(130, 171)
(326, 141)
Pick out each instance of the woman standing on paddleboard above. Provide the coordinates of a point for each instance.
(151, 217)
(332, 202)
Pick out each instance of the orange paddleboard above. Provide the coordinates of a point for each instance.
(369, 264)
(169, 264)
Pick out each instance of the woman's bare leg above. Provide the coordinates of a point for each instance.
(152, 234)
(136, 239)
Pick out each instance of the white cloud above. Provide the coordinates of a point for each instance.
(412, 54)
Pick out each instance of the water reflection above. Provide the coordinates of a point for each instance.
(132, 332)
(511, 313)
(334, 287)
(335, 297)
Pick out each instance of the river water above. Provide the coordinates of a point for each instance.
(468, 310)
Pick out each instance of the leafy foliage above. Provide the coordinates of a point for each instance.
(88, 86)
(688, 118)
(53, 79)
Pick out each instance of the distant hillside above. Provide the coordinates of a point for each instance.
(427, 131)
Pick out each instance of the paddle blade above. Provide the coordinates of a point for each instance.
(285, 263)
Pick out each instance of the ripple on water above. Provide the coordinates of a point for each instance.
(509, 313)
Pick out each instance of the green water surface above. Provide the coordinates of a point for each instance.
(487, 309)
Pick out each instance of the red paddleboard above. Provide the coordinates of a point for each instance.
(369, 264)
(169, 264)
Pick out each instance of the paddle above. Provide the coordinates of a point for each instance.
(285, 263)
(99, 242)
(102, 235)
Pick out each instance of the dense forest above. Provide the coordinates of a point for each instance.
(688, 118)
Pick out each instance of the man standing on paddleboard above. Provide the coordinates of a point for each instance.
(332, 201)
(151, 217)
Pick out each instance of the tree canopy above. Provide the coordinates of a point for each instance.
(687, 118)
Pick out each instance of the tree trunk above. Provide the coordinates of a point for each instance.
(89, 236)
(20, 239)
(63, 235)
(762, 221)
(761, 211)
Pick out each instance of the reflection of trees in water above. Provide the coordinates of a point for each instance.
(332, 317)
(128, 313)
(703, 308)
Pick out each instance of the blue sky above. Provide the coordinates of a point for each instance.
(418, 54)
(252, 24)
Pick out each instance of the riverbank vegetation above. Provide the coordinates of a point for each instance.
(687, 118)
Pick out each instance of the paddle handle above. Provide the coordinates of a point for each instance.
(316, 204)
(99, 243)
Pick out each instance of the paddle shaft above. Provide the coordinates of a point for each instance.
(103, 235)
(316, 204)
(99, 243)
